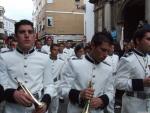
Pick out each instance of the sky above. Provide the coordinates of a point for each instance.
(18, 9)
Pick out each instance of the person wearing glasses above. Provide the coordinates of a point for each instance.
(30, 68)
(133, 75)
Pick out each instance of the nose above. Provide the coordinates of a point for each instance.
(26, 34)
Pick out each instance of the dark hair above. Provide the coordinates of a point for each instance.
(22, 22)
(139, 34)
(53, 45)
(60, 43)
(101, 37)
(78, 47)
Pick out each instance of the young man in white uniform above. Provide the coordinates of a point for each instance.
(78, 73)
(31, 69)
(55, 67)
(133, 75)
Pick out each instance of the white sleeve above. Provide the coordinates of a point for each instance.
(67, 79)
(109, 88)
(3, 73)
(124, 71)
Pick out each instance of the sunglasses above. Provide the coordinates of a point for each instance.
(24, 31)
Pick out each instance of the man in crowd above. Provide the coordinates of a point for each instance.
(38, 45)
(30, 68)
(79, 51)
(46, 48)
(61, 54)
(133, 75)
(68, 50)
(89, 78)
(55, 66)
(112, 59)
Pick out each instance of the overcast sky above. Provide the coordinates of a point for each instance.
(18, 9)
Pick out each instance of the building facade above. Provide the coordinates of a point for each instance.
(58, 18)
(9, 27)
(120, 13)
(1, 23)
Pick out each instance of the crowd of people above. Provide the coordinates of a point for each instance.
(37, 78)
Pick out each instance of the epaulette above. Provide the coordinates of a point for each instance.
(7, 51)
(61, 59)
(106, 63)
(74, 58)
(127, 54)
(42, 52)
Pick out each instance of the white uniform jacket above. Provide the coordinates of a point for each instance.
(55, 67)
(132, 69)
(62, 56)
(113, 61)
(32, 70)
(76, 76)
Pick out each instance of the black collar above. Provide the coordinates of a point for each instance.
(90, 59)
(29, 52)
(139, 53)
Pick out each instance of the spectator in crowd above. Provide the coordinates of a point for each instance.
(46, 48)
(114, 33)
(38, 45)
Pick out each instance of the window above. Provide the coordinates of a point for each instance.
(49, 1)
(49, 21)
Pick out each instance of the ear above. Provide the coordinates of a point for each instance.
(16, 37)
(92, 45)
(137, 41)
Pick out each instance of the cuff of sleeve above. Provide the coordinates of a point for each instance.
(46, 99)
(74, 96)
(9, 95)
(105, 100)
(137, 84)
(1, 93)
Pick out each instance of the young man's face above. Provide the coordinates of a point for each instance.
(49, 41)
(144, 43)
(61, 47)
(80, 52)
(25, 37)
(100, 52)
(38, 45)
(54, 51)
